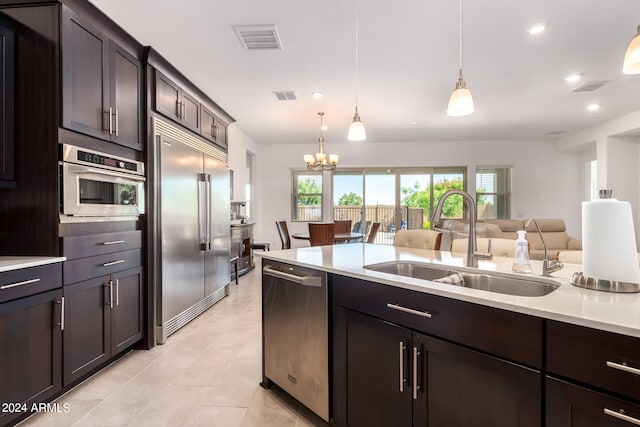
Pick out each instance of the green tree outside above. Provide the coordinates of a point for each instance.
(350, 199)
(417, 198)
(308, 186)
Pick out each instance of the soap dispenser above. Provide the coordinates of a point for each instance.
(521, 262)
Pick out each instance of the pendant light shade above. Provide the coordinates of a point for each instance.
(631, 63)
(356, 129)
(460, 102)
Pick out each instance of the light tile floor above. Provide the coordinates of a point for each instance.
(207, 374)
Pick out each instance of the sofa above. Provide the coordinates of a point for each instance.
(553, 230)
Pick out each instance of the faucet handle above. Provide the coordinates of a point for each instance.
(484, 255)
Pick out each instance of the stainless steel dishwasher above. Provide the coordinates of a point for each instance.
(295, 353)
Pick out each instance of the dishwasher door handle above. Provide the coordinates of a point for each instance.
(312, 280)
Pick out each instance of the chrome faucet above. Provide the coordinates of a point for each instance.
(472, 255)
(548, 266)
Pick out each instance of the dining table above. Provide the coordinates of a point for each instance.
(338, 237)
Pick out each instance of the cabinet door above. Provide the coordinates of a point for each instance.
(571, 405)
(30, 360)
(6, 101)
(377, 375)
(468, 388)
(207, 124)
(125, 82)
(126, 315)
(168, 97)
(87, 322)
(221, 138)
(190, 112)
(84, 70)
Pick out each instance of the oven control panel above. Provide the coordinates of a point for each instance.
(98, 159)
(83, 156)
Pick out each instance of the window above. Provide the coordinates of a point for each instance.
(493, 192)
(592, 172)
(306, 196)
(248, 186)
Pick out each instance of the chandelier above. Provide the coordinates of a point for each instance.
(321, 161)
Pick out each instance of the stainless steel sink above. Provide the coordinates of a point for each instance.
(502, 283)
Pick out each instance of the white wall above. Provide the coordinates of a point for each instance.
(239, 144)
(546, 182)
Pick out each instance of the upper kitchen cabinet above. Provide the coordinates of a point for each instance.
(7, 30)
(101, 84)
(175, 97)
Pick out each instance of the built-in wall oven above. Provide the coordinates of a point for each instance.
(97, 186)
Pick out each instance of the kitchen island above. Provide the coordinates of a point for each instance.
(460, 355)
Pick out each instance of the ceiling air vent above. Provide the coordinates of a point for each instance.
(591, 85)
(285, 95)
(258, 37)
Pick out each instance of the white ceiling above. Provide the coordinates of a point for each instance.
(408, 64)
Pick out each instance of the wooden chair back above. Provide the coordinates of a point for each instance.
(343, 226)
(372, 232)
(321, 234)
(283, 232)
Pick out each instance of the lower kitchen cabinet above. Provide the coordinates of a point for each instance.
(30, 359)
(572, 405)
(389, 375)
(103, 316)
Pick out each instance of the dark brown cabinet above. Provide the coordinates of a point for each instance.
(241, 240)
(103, 316)
(213, 128)
(387, 373)
(104, 299)
(7, 50)
(572, 405)
(175, 103)
(30, 339)
(101, 84)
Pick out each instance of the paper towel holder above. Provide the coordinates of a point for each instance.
(582, 281)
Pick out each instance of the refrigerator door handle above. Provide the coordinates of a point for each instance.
(209, 211)
(202, 212)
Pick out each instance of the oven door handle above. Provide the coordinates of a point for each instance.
(82, 170)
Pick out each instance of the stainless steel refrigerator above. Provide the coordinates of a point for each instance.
(194, 227)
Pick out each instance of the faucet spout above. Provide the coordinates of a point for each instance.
(548, 266)
(472, 254)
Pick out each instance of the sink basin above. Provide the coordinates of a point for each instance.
(502, 283)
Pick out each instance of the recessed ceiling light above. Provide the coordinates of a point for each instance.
(324, 127)
(593, 107)
(537, 28)
(573, 77)
(413, 123)
(316, 94)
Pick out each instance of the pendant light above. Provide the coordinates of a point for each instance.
(321, 161)
(460, 102)
(356, 130)
(631, 63)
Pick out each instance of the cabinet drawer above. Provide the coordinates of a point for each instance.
(29, 281)
(97, 244)
(598, 358)
(571, 405)
(100, 265)
(514, 336)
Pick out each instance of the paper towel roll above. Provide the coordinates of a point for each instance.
(608, 241)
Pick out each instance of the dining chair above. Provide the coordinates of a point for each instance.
(343, 226)
(321, 234)
(283, 232)
(418, 238)
(372, 232)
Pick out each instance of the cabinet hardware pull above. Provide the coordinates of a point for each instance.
(110, 120)
(117, 292)
(113, 242)
(184, 111)
(110, 293)
(108, 264)
(622, 367)
(416, 387)
(409, 310)
(402, 378)
(117, 126)
(61, 302)
(214, 132)
(178, 109)
(621, 416)
(13, 285)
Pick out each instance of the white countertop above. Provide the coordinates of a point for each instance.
(607, 311)
(8, 263)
